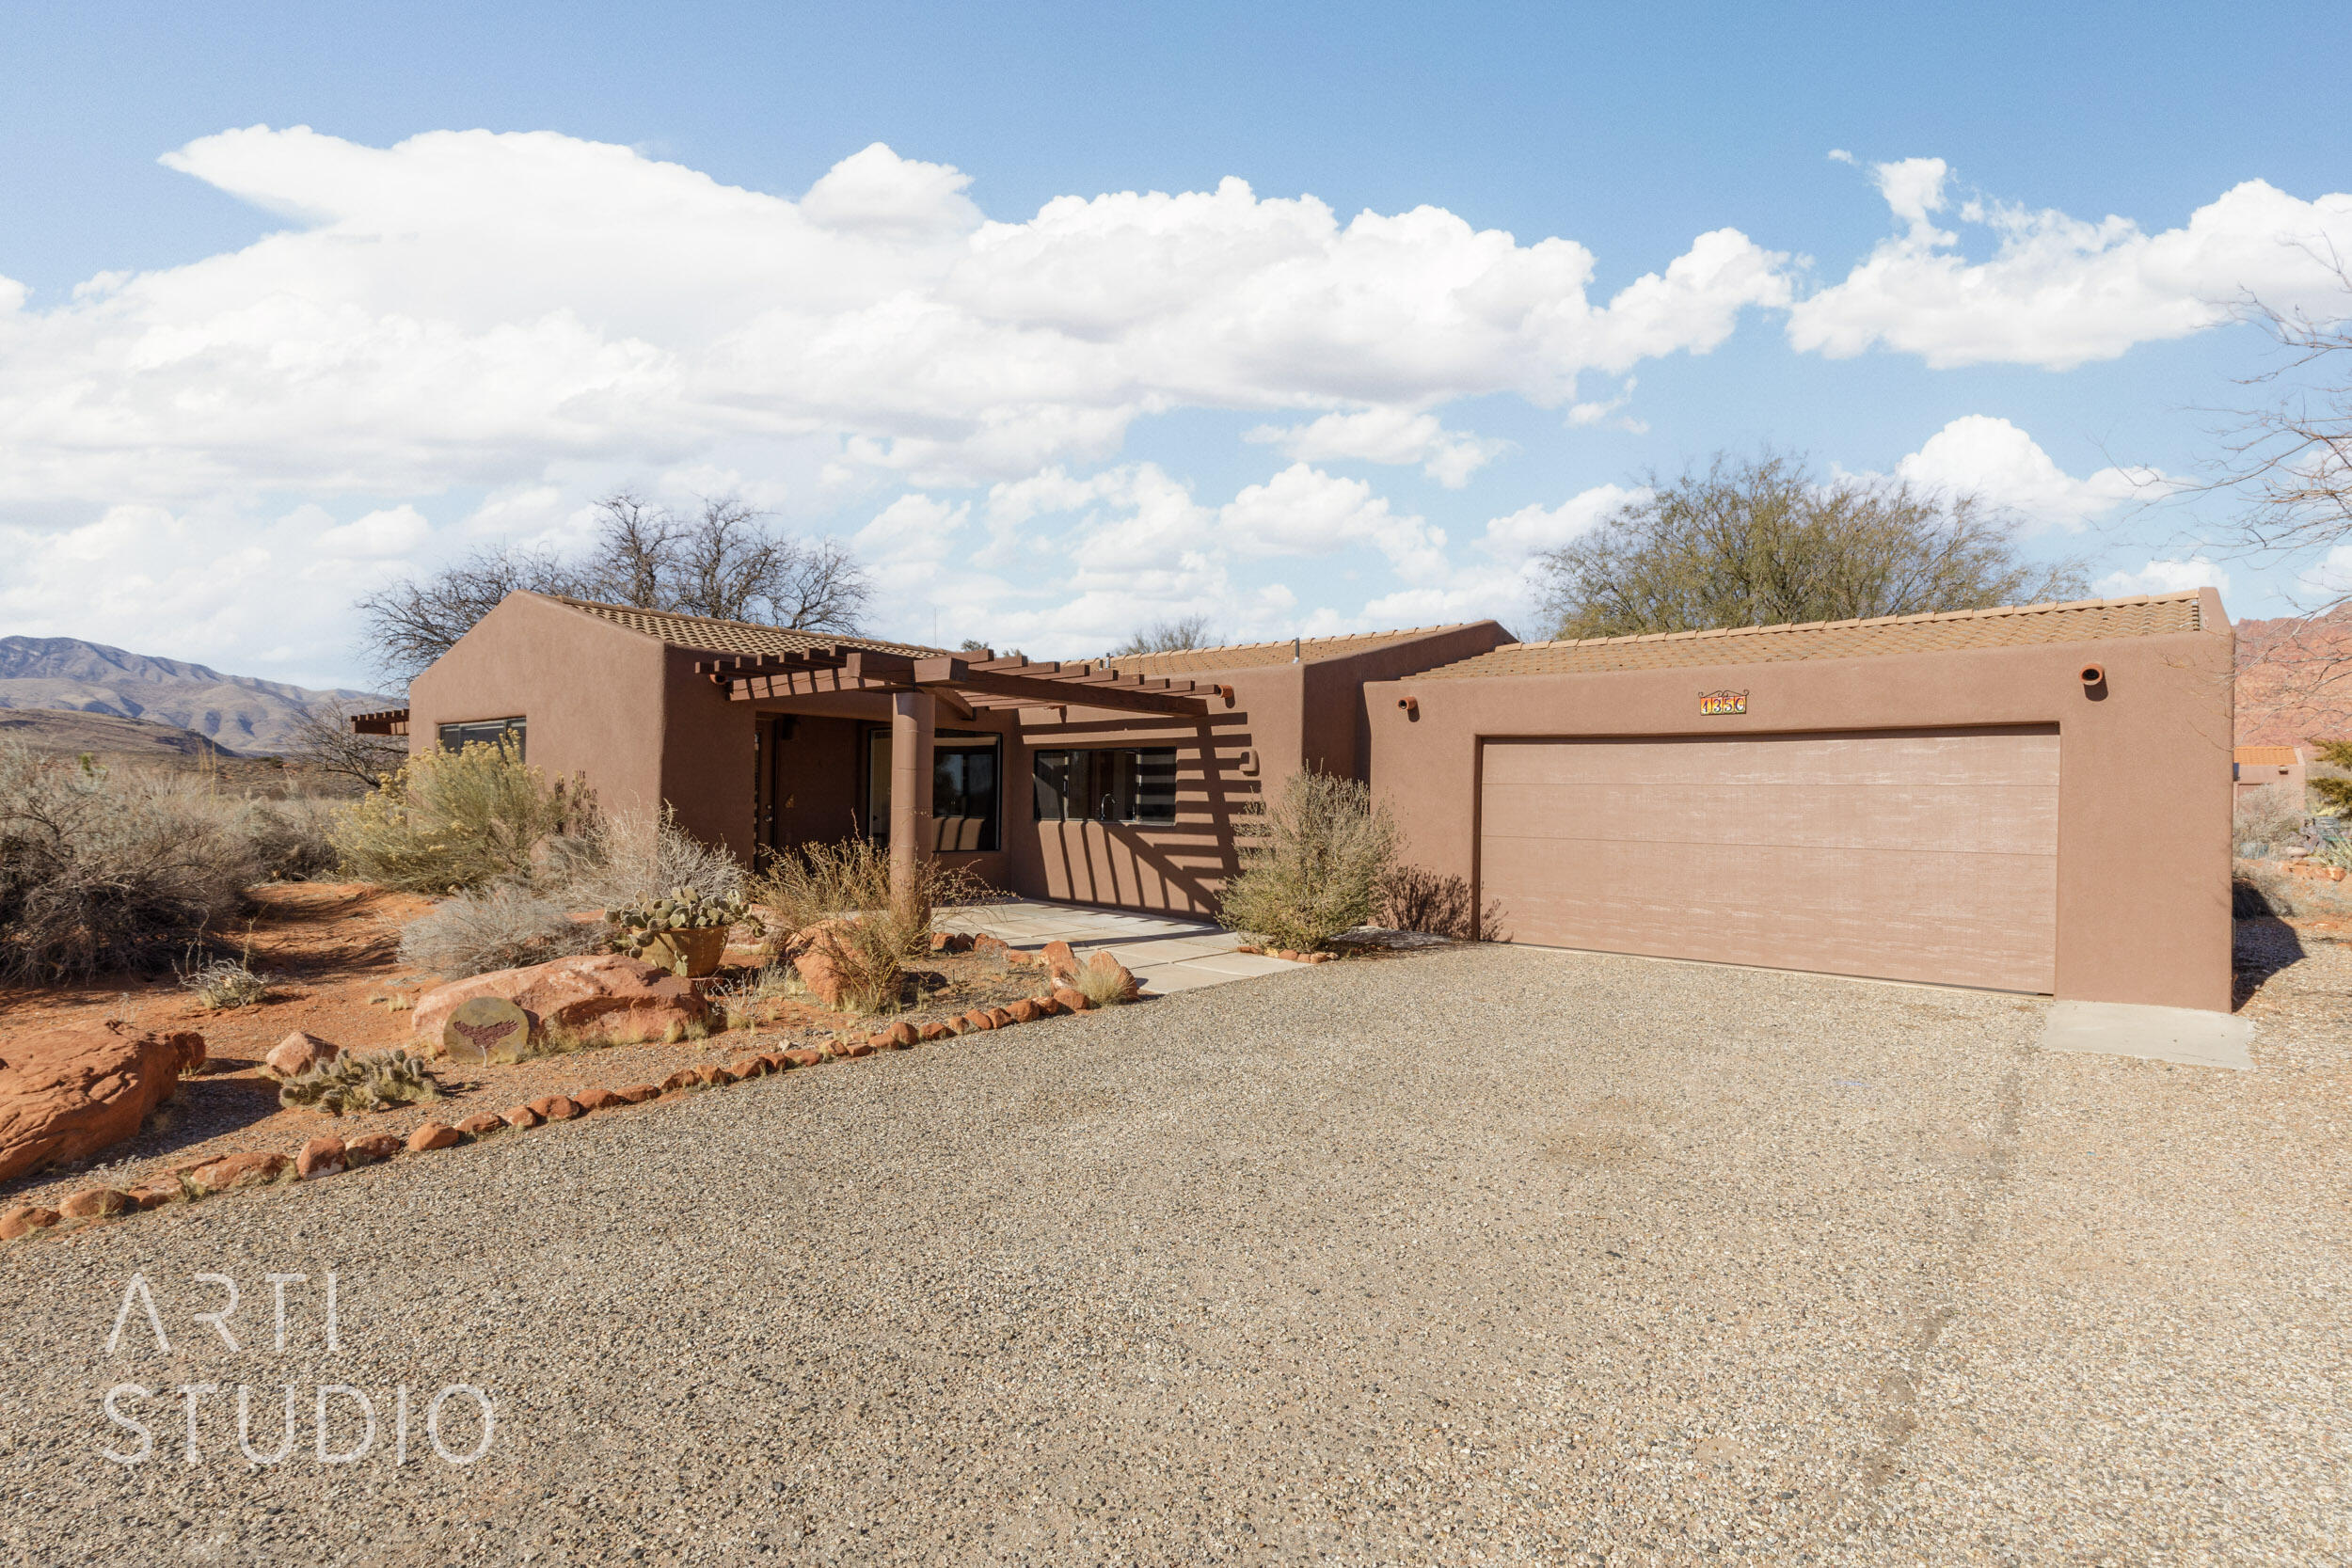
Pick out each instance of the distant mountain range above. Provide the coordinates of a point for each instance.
(237, 712)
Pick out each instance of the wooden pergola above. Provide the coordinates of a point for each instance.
(919, 686)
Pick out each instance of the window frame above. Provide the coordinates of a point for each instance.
(876, 783)
(516, 727)
(1099, 788)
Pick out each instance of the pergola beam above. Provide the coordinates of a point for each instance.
(1046, 692)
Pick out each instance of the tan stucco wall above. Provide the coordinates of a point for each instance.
(2143, 899)
(595, 696)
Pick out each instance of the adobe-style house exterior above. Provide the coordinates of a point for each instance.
(2025, 799)
(790, 743)
(2277, 773)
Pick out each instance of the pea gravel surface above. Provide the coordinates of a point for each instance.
(1482, 1256)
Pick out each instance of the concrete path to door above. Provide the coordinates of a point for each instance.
(1166, 953)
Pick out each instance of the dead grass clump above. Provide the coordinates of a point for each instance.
(498, 928)
(100, 870)
(2266, 816)
(875, 931)
(1104, 981)
(453, 821)
(1312, 864)
(225, 983)
(635, 858)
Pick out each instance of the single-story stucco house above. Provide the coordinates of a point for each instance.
(2023, 798)
(2278, 772)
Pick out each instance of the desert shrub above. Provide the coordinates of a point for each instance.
(851, 879)
(634, 858)
(1312, 864)
(1104, 981)
(292, 838)
(2265, 816)
(225, 983)
(373, 1082)
(504, 926)
(1411, 898)
(738, 1000)
(451, 820)
(104, 871)
(2332, 787)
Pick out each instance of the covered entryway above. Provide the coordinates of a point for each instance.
(1912, 854)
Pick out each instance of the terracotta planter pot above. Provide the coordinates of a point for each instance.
(688, 954)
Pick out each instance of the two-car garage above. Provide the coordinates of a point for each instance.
(2032, 799)
(1915, 855)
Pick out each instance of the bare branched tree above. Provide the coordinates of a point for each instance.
(1165, 637)
(1762, 542)
(324, 746)
(2289, 461)
(722, 562)
(411, 622)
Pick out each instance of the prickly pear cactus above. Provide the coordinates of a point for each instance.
(644, 932)
(362, 1082)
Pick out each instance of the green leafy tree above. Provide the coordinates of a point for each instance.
(1764, 541)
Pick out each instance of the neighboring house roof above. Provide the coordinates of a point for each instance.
(2267, 756)
(1248, 655)
(2087, 620)
(730, 637)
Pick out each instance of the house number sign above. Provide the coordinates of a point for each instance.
(1713, 704)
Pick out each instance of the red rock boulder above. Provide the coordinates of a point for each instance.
(65, 1094)
(601, 997)
(298, 1053)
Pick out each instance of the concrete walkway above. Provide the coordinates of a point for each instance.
(1167, 953)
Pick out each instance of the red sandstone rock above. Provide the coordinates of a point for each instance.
(934, 1032)
(520, 1115)
(1059, 959)
(1022, 1011)
(376, 1148)
(1073, 1000)
(97, 1203)
(65, 1094)
(903, 1034)
(253, 1168)
(804, 1056)
(684, 1078)
(749, 1066)
(555, 1107)
(23, 1221)
(601, 997)
(714, 1075)
(321, 1156)
(298, 1053)
(637, 1094)
(1046, 1006)
(481, 1124)
(593, 1101)
(432, 1135)
(1000, 1018)
(986, 946)
(155, 1194)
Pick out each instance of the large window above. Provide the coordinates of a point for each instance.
(504, 734)
(965, 785)
(1106, 783)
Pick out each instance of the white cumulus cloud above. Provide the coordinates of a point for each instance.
(2164, 576)
(1397, 436)
(2059, 291)
(2006, 467)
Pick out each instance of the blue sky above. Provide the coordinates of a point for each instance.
(296, 363)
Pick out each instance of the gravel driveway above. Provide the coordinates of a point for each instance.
(1484, 1256)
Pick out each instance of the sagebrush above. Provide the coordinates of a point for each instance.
(1413, 899)
(2266, 816)
(100, 870)
(633, 858)
(1312, 863)
(226, 983)
(498, 927)
(447, 821)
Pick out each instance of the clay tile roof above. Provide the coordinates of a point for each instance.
(2267, 756)
(1248, 655)
(729, 637)
(2013, 625)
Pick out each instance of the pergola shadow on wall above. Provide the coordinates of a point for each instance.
(917, 688)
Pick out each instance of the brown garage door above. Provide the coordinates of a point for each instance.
(1912, 854)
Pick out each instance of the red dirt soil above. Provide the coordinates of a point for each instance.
(331, 955)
